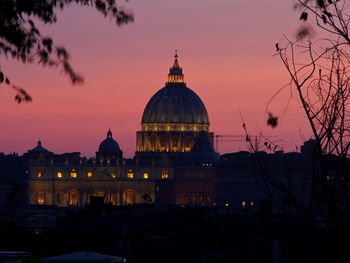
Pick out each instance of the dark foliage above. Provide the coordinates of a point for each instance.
(20, 39)
(272, 120)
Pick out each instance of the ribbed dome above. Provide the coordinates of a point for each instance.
(109, 145)
(175, 103)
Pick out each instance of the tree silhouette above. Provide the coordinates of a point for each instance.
(319, 74)
(21, 40)
(319, 71)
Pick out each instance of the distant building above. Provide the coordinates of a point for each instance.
(173, 161)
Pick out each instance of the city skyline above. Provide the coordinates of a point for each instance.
(231, 67)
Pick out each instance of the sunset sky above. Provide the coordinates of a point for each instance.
(225, 48)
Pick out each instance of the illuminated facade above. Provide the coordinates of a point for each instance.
(175, 122)
(71, 180)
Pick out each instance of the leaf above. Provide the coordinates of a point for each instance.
(18, 99)
(272, 121)
(44, 56)
(61, 52)
(303, 16)
(47, 42)
(25, 95)
(324, 18)
(320, 3)
(21, 95)
(303, 32)
(1, 77)
(327, 13)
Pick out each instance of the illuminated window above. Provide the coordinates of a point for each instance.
(59, 175)
(113, 175)
(145, 175)
(165, 174)
(73, 173)
(243, 204)
(40, 197)
(329, 177)
(40, 174)
(251, 203)
(73, 197)
(130, 174)
(227, 204)
(129, 197)
(89, 174)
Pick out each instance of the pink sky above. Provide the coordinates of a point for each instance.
(225, 48)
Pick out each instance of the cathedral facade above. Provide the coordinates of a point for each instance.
(173, 162)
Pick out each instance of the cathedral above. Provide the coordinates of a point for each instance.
(173, 163)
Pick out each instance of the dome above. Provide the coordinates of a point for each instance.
(173, 118)
(109, 145)
(39, 148)
(175, 103)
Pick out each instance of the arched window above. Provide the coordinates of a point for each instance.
(129, 197)
(130, 174)
(113, 198)
(73, 197)
(73, 173)
(165, 174)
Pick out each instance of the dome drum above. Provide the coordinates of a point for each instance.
(168, 141)
(175, 127)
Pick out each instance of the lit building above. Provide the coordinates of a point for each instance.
(173, 161)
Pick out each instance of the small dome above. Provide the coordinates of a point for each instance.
(109, 145)
(39, 148)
